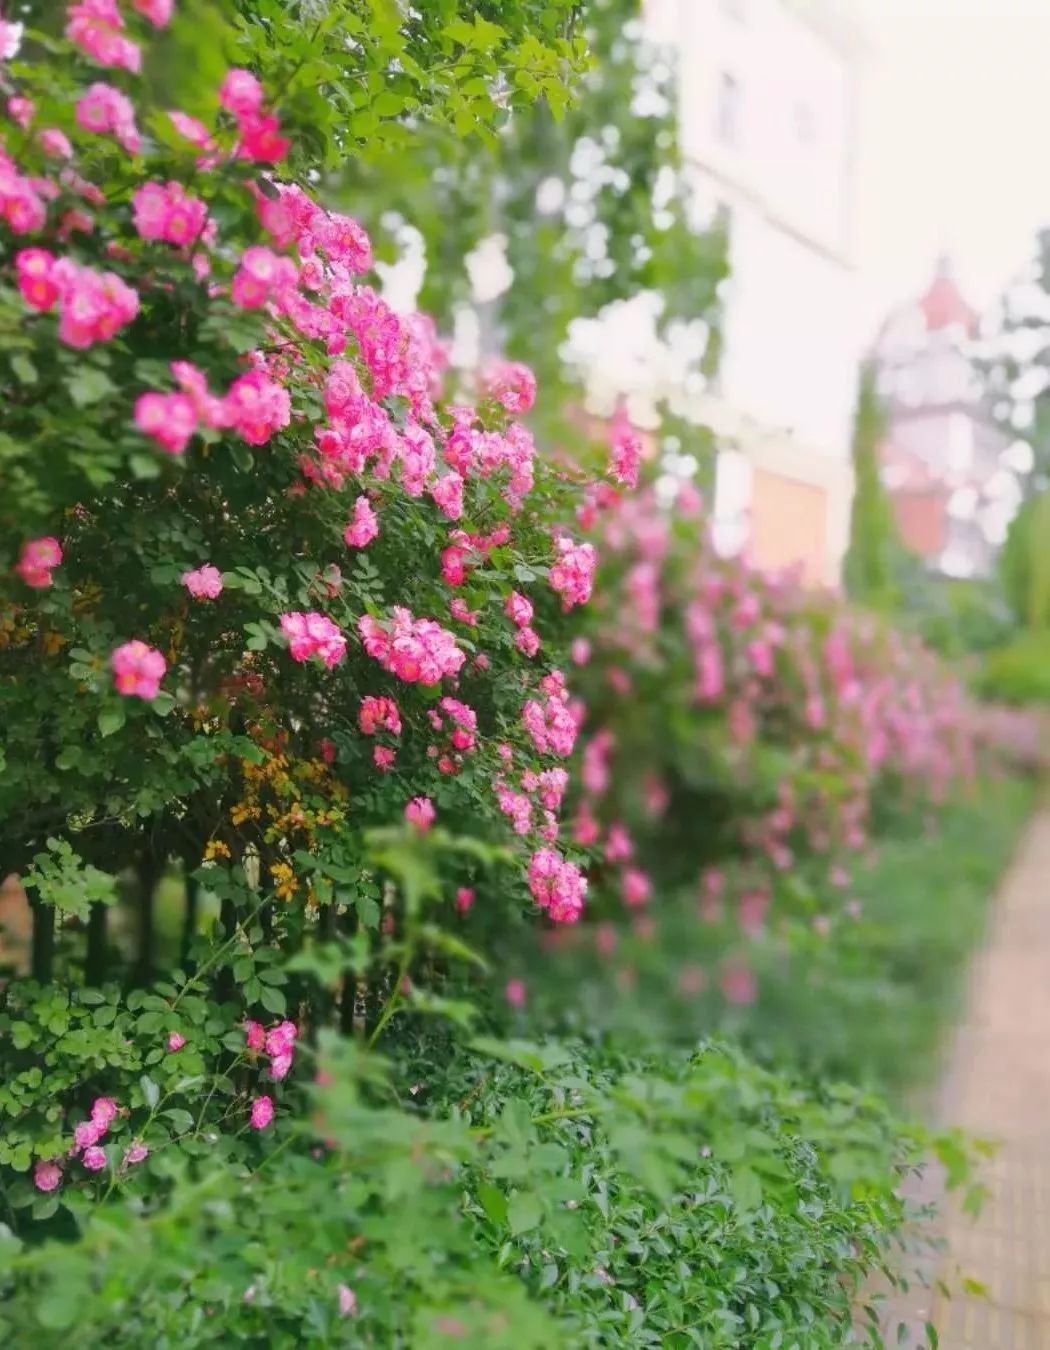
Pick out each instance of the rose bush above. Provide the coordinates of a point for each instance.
(258, 607)
(744, 735)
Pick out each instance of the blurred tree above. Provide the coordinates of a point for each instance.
(1024, 564)
(956, 616)
(359, 78)
(870, 571)
(571, 210)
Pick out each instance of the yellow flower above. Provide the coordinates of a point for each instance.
(215, 848)
(243, 811)
(285, 879)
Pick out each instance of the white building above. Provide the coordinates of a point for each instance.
(768, 112)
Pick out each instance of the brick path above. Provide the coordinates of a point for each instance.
(998, 1087)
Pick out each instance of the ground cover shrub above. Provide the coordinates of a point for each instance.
(534, 1194)
(887, 994)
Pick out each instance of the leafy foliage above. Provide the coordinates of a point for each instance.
(591, 209)
(1024, 564)
(594, 1201)
(1018, 672)
(356, 77)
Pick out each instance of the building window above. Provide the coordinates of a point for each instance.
(727, 112)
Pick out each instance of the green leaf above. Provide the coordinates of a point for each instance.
(181, 1120)
(111, 719)
(273, 1000)
(150, 1091)
(162, 704)
(973, 1201)
(746, 1188)
(459, 31)
(368, 910)
(493, 1202)
(89, 386)
(524, 1212)
(523, 1053)
(62, 1303)
(25, 371)
(44, 1206)
(144, 466)
(242, 456)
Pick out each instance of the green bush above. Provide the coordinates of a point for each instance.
(1018, 673)
(555, 1195)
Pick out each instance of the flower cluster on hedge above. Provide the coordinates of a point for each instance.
(774, 717)
(344, 397)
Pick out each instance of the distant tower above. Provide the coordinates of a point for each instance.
(942, 447)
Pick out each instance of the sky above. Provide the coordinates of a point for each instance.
(955, 142)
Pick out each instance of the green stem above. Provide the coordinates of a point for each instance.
(289, 1138)
(218, 954)
(211, 1094)
(391, 1005)
(547, 1118)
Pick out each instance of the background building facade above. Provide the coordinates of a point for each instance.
(768, 104)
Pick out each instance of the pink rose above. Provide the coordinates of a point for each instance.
(241, 93)
(138, 670)
(46, 1175)
(420, 813)
(88, 1132)
(104, 1111)
(203, 583)
(262, 1112)
(515, 993)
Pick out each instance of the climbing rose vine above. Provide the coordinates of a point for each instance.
(275, 524)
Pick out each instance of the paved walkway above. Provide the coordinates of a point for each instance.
(998, 1087)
